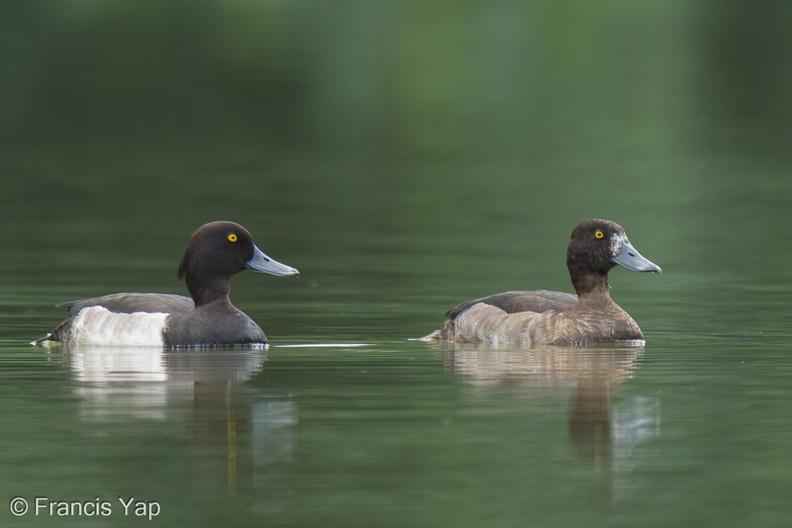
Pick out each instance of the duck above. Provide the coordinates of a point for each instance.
(533, 318)
(215, 252)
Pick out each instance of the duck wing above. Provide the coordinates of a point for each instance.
(133, 302)
(520, 301)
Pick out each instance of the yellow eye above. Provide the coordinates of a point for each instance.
(232, 237)
(599, 234)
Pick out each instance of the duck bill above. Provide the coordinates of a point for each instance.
(262, 263)
(629, 257)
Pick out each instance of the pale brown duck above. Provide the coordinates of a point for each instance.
(531, 318)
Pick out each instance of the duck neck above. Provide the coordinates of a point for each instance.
(208, 288)
(591, 285)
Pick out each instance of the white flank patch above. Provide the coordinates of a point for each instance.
(99, 326)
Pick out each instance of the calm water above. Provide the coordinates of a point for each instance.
(405, 158)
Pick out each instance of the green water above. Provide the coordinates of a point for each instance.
(404, 157)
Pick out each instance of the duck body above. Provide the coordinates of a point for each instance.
(230, 326)
(214, 253)
(530, 318)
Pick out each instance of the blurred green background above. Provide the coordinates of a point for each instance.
(412, 153)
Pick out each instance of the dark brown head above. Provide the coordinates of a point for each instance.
(218, 250)
(595, 248)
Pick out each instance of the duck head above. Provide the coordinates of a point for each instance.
(596, 247)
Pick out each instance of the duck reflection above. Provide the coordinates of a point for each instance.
(231, 433)
(606, 434)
